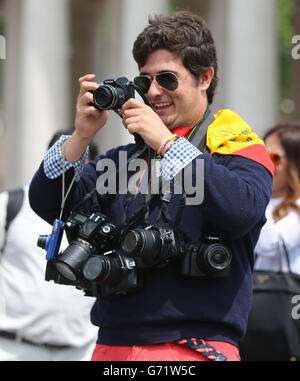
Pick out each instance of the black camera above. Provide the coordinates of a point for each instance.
(91, 261)
(211, 259)
(153, 246)
(88, 235)
(113, 93)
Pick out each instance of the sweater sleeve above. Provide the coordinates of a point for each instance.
(53, 161)
(236, 192)
(232, 191)
(45, 192)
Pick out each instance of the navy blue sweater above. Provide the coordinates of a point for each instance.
(169, 306)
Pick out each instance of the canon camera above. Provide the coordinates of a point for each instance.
(112, 93)
(212, 259)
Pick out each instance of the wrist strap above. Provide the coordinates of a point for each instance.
(63, 195)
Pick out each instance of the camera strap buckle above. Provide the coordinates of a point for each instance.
(166, 197)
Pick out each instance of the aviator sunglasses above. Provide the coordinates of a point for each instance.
(167, 80)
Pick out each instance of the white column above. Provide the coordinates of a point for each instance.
(217, 22)
(128, 19)
(251, 80)
(36, 85)
(134, 18)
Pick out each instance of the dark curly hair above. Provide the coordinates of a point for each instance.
(184, 34)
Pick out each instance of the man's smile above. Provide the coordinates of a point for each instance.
(161, 106)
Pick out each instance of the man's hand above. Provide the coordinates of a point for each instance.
(88, 121)
(141, 119)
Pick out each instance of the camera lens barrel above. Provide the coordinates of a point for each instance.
(143, 243)
(70, 262)
(43, 241)
(216, 257)
(102, 269)
(96, 267)
(133, 242)
(106, 97)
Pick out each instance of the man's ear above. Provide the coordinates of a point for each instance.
(206, 78)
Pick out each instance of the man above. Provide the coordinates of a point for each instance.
(39, 321)
(181, 310)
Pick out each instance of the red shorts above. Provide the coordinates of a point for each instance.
(160, 352)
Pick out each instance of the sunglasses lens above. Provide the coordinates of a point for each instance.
(167, 80)
(143, 82)
(275, 158)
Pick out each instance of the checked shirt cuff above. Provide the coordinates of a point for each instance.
(181, 153)
(53, 160)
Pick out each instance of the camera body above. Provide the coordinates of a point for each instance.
(113, 93)
(212, 259)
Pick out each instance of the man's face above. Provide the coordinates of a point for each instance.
(184, 106)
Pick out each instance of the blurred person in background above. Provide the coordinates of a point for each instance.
(39, 320)
(283, 212)
(272, 334)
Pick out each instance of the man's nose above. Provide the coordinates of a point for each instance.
(154, 89)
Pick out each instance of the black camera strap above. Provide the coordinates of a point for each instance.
(198, 139)
(198, 134)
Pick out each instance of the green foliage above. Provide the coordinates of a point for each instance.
(285, 28)
(174, 6)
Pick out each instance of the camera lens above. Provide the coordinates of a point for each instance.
(42, 241)
(144, 243)
(133, 242)
(102, 269)
(105, 97)
(217, 257)
(70, 262)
